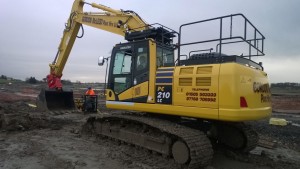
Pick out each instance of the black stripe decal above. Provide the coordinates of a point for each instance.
(168, 69)
(164, 80)
(160, 74)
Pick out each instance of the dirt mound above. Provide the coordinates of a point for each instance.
(20, 116)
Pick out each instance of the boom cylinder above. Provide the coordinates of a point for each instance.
(105, 8)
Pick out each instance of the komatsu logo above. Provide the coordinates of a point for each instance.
(125, 47)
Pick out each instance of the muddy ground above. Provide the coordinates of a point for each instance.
(34, 139)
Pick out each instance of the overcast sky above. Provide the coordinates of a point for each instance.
(30, 33)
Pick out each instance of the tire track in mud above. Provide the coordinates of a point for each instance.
(134, 157)
(28, 151)
(67, 148)
(63, 148)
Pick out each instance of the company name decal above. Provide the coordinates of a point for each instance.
(98, 21)
(264, 90)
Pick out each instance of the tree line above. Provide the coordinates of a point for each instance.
(286, 85)
(33, 80)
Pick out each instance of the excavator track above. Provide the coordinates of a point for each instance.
(237, 136)
(188, 147)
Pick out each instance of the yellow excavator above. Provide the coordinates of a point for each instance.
(178, 98)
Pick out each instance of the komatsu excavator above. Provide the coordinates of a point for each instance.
(176, 107)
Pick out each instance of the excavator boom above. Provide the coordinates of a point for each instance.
(111, 20)
(115, 21)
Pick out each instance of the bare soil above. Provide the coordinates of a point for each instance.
(34, 139)
(286, 102)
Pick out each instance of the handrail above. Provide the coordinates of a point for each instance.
(258, 36)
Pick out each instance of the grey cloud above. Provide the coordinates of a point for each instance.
(31, 30)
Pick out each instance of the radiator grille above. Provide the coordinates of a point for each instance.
(203, 81)
(186, 71)
(185, 81)
(204, 70)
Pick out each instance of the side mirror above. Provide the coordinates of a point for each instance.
(100, 61)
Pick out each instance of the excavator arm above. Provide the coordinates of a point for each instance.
(111, 20)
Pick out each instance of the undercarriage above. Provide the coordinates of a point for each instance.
(188, 141)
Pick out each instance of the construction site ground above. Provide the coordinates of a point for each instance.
(33, 139)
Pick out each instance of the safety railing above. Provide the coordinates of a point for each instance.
(255, 41)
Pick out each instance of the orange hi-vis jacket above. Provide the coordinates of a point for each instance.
(90, 92)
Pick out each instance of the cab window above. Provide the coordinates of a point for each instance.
(164, 57)
(121, 84)
(142, 58)
(122, 64)
(122, 71)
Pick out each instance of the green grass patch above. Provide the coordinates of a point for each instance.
(3, 81)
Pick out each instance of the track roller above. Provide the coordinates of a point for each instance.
(180, 152)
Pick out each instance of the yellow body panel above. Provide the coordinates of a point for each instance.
(237, 81)
(110, 95)
(165, 109)
(133, 92)
(140, 90)
(196, 86)
(152, 71)
(211, 91)
(126, 94)
(244, 114)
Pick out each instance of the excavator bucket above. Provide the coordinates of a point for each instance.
(53, 100)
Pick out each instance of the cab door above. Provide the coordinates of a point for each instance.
(120, 74)
(129, 72)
